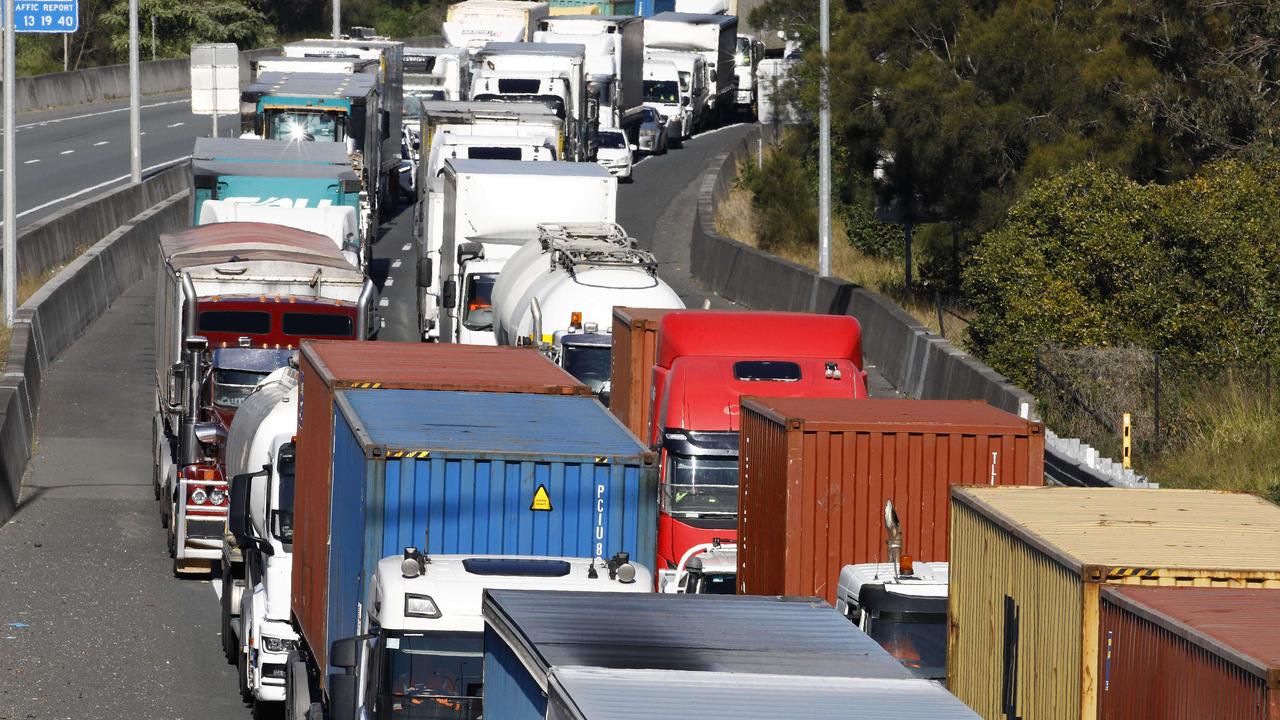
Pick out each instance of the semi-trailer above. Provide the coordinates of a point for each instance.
(1028, 567)
(442, 73)
(558, 291)
(472, 24)
(475, 242)
(232, 285)
(449, 472)
(635, 347)
(715, 38)
(529, 635)
(278, 174)
(707, 360)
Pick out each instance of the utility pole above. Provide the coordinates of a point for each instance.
(10, 187)
(153, 38)
(135, 119)
(824, 145)
(337, 19)
(66, 51)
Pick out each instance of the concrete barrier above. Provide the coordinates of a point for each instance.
(110, 82)
(63, 308)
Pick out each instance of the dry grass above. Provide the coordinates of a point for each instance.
(27, 286)
(734, 219)
(1232, 443)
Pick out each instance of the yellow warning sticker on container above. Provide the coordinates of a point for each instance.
(541, 500)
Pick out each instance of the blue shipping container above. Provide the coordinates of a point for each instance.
(491, 473)
(649, 8)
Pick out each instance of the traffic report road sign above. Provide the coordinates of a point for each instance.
(46, 16)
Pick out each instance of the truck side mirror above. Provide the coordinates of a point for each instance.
(425, 274)
(238, 513)
(449, 294)
(684, 101)
(345, 653)
(384, 124)
(469, 251)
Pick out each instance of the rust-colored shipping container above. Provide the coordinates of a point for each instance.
(635, 345)
(815, 474)
(1028, 566)
(1189, 653)
(326, 366)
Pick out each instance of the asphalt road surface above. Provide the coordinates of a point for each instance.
(92, 622)
(66, 155)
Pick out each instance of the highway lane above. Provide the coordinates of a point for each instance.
(64, 156)
(92, 624)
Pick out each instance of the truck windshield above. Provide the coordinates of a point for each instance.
(590, 364)
(478, 312)
(714, 584)
(701, 486)
(661, 91)
(231, 387)
(433, 675)
(917, 640)
(295, 125)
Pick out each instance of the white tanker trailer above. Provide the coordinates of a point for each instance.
(559, 290)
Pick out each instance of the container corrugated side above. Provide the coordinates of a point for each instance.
(1028, 564)
(815, 474)
(1154, 665)
(635, 345)
(510, 692)
(328, 365)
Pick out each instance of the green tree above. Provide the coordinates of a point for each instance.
(181, 24)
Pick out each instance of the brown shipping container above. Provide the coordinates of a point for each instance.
(1028, 566)
(326, 366)
(1189, 653)
(815, 474)
(635, 345)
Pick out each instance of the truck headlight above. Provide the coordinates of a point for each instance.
(198, 496)
(278, 645)
(420, 606)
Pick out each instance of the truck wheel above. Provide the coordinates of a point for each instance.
(230, 645)
(242, 676)
(297, 690)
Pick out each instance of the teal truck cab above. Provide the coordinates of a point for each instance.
(326, 108)
(277, 174)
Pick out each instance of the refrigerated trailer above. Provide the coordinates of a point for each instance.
(614, 62)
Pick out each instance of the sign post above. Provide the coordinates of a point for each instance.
(43, 16)
(215, 80)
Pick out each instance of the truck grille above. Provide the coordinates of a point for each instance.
(210, 529)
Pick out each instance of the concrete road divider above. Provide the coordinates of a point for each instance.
(63, 308)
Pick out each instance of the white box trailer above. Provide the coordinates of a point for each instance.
(714, 37)
(550, 73)
(472, 24)
(436, 74)
(478, 241)
(334, 65)
(614, 62)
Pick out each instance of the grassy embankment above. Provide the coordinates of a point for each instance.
(27, 286)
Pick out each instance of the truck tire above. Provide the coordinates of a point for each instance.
(242, 676)
(230, 644)
(297, 690)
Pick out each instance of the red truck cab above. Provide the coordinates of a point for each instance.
(706, 361)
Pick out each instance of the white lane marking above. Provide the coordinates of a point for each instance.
(31, 162)
(99, 186)
(100, 143)
(390, 281)
(382, 322)
(144, 132)
(66, 152)
(406, 247)
(97, 114)
(384, 302)
(177, 124)
(396, 264)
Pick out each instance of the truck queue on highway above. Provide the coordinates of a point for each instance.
(535, 511)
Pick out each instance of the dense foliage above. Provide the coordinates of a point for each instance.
(1190, 269)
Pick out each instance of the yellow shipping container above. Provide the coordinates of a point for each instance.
(1027, 564)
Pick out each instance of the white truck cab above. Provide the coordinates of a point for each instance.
(422, 651)
(465, 144)
(901, 604)
(704, 569)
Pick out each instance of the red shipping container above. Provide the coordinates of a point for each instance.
(635, 345)
(815, 474)
(1189, 653)
(326, 366)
